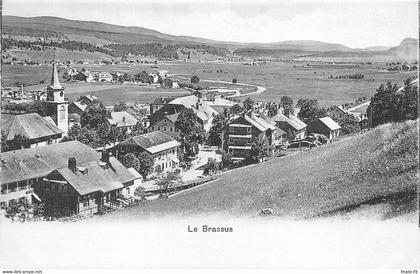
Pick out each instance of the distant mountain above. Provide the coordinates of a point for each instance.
(309, 45)
(103, 33)
(407, 49)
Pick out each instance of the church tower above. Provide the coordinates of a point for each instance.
(56, 106)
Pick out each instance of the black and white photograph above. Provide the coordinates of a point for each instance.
(193, 134)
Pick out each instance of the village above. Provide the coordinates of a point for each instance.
(65, 160)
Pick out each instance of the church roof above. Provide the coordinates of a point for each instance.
(55, 83)
(30, 125)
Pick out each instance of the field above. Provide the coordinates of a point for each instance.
(279, 78)
(371, 166)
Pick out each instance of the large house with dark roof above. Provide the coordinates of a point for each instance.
(42, 174)
(160, 146)
(39, 131)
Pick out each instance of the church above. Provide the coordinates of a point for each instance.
(56, 106)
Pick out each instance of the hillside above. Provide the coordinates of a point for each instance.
(371, 166)
(407, 49)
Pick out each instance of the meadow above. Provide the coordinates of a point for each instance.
(288, 78)
(370, 167)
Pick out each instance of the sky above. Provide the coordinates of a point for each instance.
(354, 23)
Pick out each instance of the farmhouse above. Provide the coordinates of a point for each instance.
(20, 169)
(167, 126)
(337, 112)
(204, 112)
(326, 126)
(84, 75)
(290, 124)
(104, 76)
(39, 131)
(123, 120)
(242, 130)
(86, 188)
(47, 174)
(160, 146)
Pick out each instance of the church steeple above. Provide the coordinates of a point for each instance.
(55, 83)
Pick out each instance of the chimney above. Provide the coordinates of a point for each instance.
(72, 164)
(286, 111)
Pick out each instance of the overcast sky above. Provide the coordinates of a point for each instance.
(352, 23)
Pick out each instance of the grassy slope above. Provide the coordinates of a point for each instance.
(346, 173)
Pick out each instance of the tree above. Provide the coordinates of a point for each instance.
(146, 163)
(259, 150)
(287, 102)
(409, 101)
(165, 181)
(186, 121)
(234, 81)
(113, 135)
(212, 166)
(195, 79)
(248, 104)
(382, 105)
(120, 106)
(130, 160)
(310, 110)
(140, 192)
(236, 109)
(95, 115)
(226, 158)
(214, 134)
(272, 110)
(137, 130)
(349, 124)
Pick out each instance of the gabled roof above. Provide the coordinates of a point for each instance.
(37, 162)
(79, 105)
(97, 178)
(330, 123)
(30, 125)
(292, 120)
(204, 111)
(172, 117)
(122, 119)
(90, 97)
(152, 142)
(258, 122)
(162, 100)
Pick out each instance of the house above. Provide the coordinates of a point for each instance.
(104, 77)
(21, 169)
(70, 73)
(86, 187)
(167, 126)
(337, 112)
(290, 124)
(159, 103)
(88, 99)
(162, 73)
(160, 146)
(205, 113)
(39, 131)
(241, 130)
(77, 108)
(84, 75)
(326, 126)
(154, 77)
(123, 120)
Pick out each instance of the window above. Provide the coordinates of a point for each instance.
(12, 187)
(171, 129)
(165, 129)
(3, 205)
(248, 130)
(153, 128)
(86, 203)
(128, 191)
(231, 129)
(4, 189)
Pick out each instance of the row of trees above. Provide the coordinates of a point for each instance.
(390, 105)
